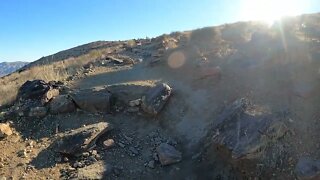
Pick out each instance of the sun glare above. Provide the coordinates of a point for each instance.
(270, 10)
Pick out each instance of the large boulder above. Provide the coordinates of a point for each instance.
(37, 90)
(156, 98)
(62, 104)
(94, 100)
(244, 130)
(81, 139)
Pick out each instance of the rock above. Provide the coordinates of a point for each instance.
(134, 150)
(155, 157)
(109, 143)
(62, 104)
(307, 168)
(77, 165)
(33, 89)
(155, 99)
(37, 90)
(38, 112)
(85, 154)
(94, 100)
(98, 170)
(22, 153)
(244, 131)
(81, 139)
(92, 159)
(133, 109)
(134, 103)
(151, 164)
(94, 152)
(5, 130)
(168, 154)
(121, 145)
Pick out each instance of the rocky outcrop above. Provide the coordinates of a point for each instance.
(244, 131)
(62, 104)
(81, 139)
(94, 100)
(37, 90)
(155, 99)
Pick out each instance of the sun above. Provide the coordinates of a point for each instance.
(269, 10)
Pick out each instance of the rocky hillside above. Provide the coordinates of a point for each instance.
(9, 67)
(236, 101)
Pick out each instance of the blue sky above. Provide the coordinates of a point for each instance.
(30, 29)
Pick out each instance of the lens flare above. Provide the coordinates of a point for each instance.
(176, 59)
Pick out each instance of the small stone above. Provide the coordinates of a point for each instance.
(109, 143)
(168, 154)
(155, 156)
(85, 154)
(22, 153)
(133, 109)
(134, 150)
(151, 164)
(92, 159)
(134, 103)
(65, 159)
(30, 144)
(1, 165)
(121, 145)
(94, 152)
(98, 157)
(5, 130)
(77, 165)
(128, 138)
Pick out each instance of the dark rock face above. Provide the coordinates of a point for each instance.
(156, 98)
(81, 139)
(62, 104)
(94, 101)
(33, 89)
(307, 168)
(244, 133)
(168, 154)
(37, 90)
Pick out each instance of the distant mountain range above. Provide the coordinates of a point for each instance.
(9, 67)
